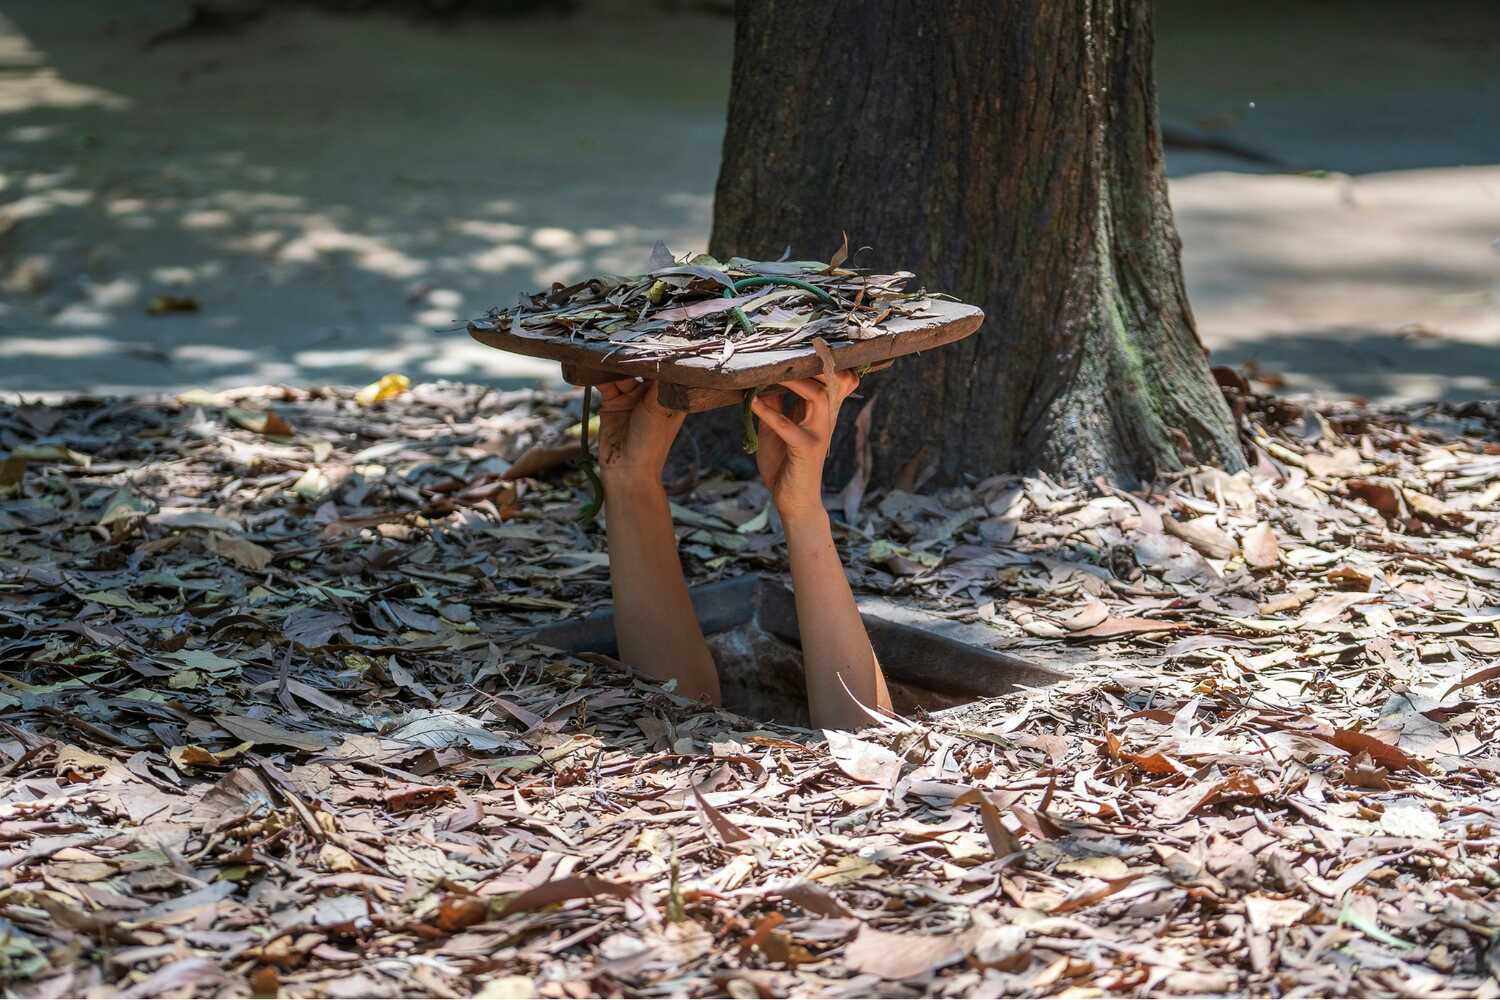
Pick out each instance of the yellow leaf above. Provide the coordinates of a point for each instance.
(267, 422)
(336, 859)
(185, 680)
(844, 870)
(79, 763)
(11, 470)
(1096, 867)
(378, 392)
(120, 600)
(192, 755)
(312, 485)
(198, 397)
(50, 453)
(507, 988)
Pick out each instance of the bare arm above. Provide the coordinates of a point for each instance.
(836, 652)
(655, 627)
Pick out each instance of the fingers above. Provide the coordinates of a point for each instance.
(783, 426)
(652, 405)
(622, 395)
(809, 389)
(619, 387)
(840, 384)
(815, 402)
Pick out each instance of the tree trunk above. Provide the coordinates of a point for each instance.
(1008, 152)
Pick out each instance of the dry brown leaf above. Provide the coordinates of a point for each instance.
(1151, 763)
(863, 761)
(1433, 510)
(1199, 795)
(561, 891)
(242, 552)
(313, 627)
(726, 828)
(267, 422)
(1003, 843)
(1384, 497)
(1128, 626)
(1267, 912)
(540, 459)
(261, 732)
(1356, 743)
(1203, 534)
(1260, 546)
(825, 355)
(905, 956)
(814, 899)
(1343, 462)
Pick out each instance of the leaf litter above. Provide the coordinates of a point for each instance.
(271, 722)
(697, 305)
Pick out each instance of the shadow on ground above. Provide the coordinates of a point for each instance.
(334, 195)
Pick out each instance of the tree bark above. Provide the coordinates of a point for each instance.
(1008, 152)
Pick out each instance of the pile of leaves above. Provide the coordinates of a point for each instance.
(271, 722)
(688, 307)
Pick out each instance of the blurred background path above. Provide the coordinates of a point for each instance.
(327, 197)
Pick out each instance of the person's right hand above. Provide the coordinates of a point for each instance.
(793, 447)
(635, 432)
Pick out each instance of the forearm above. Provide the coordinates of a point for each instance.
(836, 651)
(655, 627)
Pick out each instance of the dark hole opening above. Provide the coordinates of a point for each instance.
(751, 626)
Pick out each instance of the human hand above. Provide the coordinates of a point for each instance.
(791, 455)
(635, 432)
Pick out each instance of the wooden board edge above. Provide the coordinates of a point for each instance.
(802, 366)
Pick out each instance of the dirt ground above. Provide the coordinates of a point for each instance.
(336, 194)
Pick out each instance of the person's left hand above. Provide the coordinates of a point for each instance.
(791, 456)
(635, 432)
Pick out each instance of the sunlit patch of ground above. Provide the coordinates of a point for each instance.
(337, 194)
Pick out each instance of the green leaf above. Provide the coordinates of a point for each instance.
(756, 523)
(204, 660)
(124, 505)
(112, 599)
(1351, 916)
(776, 266)
(51, 453)
(185, 680)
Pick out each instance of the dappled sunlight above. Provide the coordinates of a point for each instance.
(212, 354)
(502, 258)
(321, 237)
(327, 233)
(34, 206)
(29, 83)
(475, 362)
(81, 315)
(1383, 286)
(503, 233)
(54, 347)
(296, 240)
(206, 218)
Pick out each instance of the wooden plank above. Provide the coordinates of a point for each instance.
(578, 375)
(901, 336)
(696, 399)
